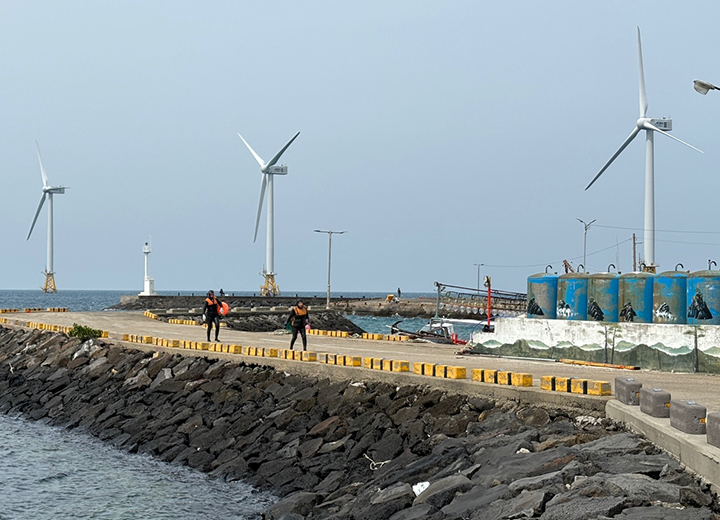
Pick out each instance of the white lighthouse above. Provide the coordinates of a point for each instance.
(149, 285)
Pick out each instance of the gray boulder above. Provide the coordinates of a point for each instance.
(475, 499)
(527, 504)
(300, 503)
(583, 508)
(443, 491)
(665, 513)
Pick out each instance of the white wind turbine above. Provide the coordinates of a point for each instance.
(268, 171)
(48, 191)
(661, 126)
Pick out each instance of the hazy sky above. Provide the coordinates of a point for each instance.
(437, 134)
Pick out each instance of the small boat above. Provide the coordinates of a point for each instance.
(438, 330)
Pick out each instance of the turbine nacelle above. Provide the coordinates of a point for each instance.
(646, 123)
(275, 170)
(54, 189)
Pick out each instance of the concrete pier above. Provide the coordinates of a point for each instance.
(691, 450)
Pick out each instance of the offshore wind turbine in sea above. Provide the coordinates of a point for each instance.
(661, 126)
(48, 192)
(268, 172)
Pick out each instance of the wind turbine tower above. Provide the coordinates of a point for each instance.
(651, 126)
(268, 171)
(47, 192)
(149, 284)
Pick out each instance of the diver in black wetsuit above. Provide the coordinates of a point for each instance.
(211, 314)
(298, 320)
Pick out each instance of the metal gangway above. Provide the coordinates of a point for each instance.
(473, 302)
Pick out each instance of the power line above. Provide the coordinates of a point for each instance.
(688, 243)
(559, 261)
(660, 230)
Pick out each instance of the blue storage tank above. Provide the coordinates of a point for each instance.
(636, 297)
(542, 296)
(572, 296)
(603, 296)
(670, 297)
(703, 298)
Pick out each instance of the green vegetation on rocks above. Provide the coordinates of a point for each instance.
(84, 333)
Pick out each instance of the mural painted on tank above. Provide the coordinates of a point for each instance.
(563, 309)
(627, 313)
(594, 310)
(664, 314)
(667, 347)
(533, 308)
(698, 308)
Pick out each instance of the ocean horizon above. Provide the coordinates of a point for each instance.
(78, 300)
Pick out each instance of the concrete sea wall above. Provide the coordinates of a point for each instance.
(345, 449)
(667, 347)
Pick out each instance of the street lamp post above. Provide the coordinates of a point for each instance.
(478, 276)
(703, 86)
(586, 226)
(329, 234)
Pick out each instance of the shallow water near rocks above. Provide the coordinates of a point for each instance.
(50, 473)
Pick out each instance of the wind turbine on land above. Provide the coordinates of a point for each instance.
(661, 126)
(268, 171)
(48, 191)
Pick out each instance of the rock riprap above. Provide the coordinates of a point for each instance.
(346, 449)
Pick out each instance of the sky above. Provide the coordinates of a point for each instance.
(438, 135)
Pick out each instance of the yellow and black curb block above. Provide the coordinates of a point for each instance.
(175, 321)
(575, 386)
(501, 377)
(384, 337)
(368, 335)
(331, 333)
(34, 309)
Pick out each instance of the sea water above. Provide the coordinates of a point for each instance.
(52, 473)
(81, 301)
(383, 324)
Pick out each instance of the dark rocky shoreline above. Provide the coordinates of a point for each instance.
(423, 308)
(141, 303)
(346, 449)
(272, 321)
(251, 316)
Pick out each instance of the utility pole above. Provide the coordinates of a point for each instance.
(585, 239)
(478, 277)
(634, 254)
(329, 234)
(488, 284)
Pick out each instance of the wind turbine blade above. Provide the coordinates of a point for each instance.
(650, 126)
(42, 201)
(257, 157)
(42, 169)
(277, 157)
(643, 94)
(260, 204)
(624, 145)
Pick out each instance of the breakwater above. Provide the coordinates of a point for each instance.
(415, 307)
(258, 320)
(341, 448)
